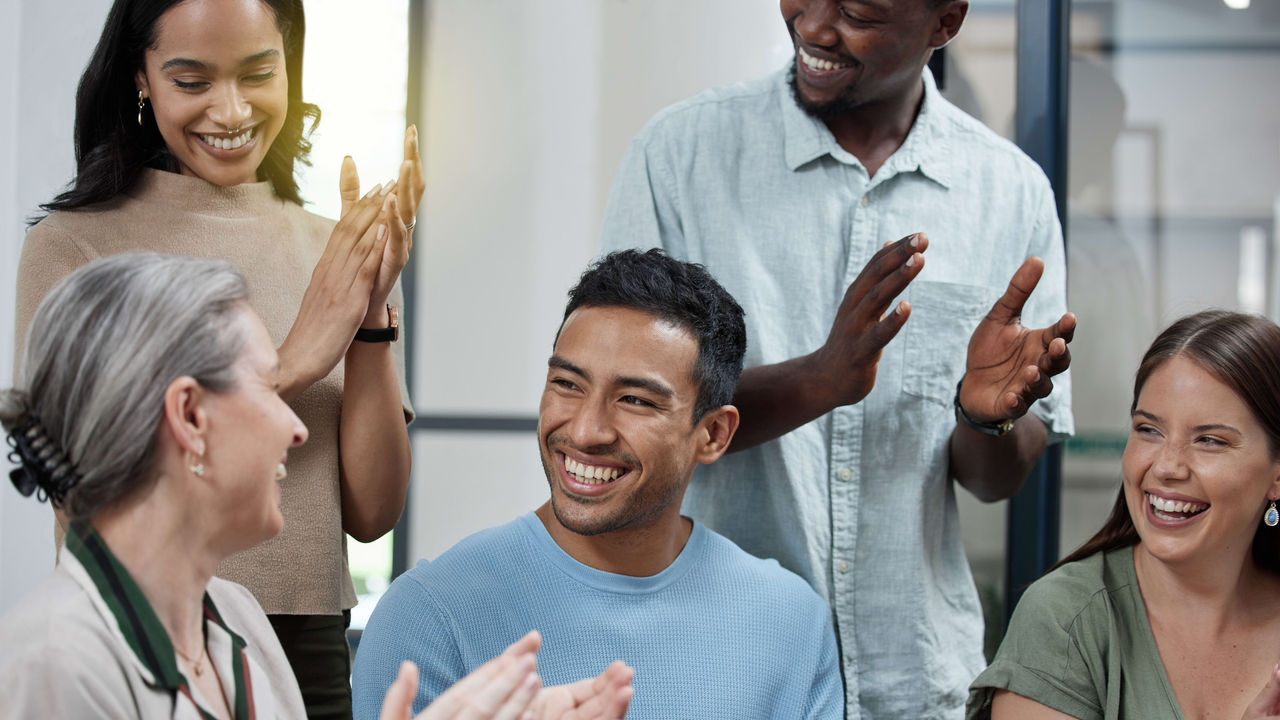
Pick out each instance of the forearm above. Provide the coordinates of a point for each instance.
(773, 400)
(994, 468)
(373, 443)
(295, 375)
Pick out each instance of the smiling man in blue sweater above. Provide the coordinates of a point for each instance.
(637, 395)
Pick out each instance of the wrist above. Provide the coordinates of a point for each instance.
(293, 377)
(377, 317)
(818, 385)
(995, 427)
(385, 331)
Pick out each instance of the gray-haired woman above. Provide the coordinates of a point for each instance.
(148, 411)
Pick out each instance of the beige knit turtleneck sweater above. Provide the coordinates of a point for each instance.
(276, 244)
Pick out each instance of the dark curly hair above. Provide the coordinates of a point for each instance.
(679, 292)
(112, 149)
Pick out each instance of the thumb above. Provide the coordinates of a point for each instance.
(348, 184)
(1009, 307)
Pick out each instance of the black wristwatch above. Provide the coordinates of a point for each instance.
(387, 334)
(994, 429)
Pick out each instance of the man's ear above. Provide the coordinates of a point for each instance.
(715, 431)
(950, 18)
(185, 418)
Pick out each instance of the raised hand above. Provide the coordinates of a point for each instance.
(398, 212)
(847, 362)
(400, 215)
(501, 689)
(1009, 367)
(337, 298)
(603, 697)
(411, 183)
(393, 253)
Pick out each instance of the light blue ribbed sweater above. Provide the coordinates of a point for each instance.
(718, 634)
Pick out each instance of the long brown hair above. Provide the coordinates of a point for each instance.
(1242, 351)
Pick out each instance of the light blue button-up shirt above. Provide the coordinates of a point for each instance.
(858, 502)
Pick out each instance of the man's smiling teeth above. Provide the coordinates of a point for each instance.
(229, 143)
(590, 474)
(814, 63)
(1175, 506)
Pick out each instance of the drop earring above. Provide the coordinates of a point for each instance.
(141, 101)
(1271, 517)
(197, 467)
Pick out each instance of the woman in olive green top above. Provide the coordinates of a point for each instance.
(1170, 611)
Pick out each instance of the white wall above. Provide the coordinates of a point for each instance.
(529, 107)
(43, 49)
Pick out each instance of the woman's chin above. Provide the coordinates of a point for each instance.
(222, 174)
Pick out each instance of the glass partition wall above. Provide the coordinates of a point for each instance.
(1174, 190)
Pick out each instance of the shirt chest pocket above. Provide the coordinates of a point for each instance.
(943, 316)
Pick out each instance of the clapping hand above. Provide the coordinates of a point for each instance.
(603, 697)
(1009, 367)
(851, 354)
(398, 215)
(508, 688)
(336, 301)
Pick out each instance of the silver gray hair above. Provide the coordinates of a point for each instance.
(103, 348)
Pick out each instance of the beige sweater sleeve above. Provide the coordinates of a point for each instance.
(49, 254)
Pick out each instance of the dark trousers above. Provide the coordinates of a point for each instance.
(316, 646)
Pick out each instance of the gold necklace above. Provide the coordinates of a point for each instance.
(196, 667)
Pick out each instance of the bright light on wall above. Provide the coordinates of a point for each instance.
(356, 69)
(1252, 284)
(1236, 4)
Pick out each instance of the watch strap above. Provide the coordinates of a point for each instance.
(390, 333)
(996, 429)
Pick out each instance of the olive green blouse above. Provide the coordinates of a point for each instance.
(1080, 643)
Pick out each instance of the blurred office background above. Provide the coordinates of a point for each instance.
(525, 108)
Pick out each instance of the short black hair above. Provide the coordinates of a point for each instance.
(112, 149)
(679, 292)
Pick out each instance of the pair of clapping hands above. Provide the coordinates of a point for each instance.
(508, 688)
(1008, 366)
(360, 264)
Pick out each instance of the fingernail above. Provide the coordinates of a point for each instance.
(374, 190)
(915, 240)
(382, 231)
(901, 308)
(911, 261)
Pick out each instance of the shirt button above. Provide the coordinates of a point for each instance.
(844, 567)
(866, 200)
(845, 474)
